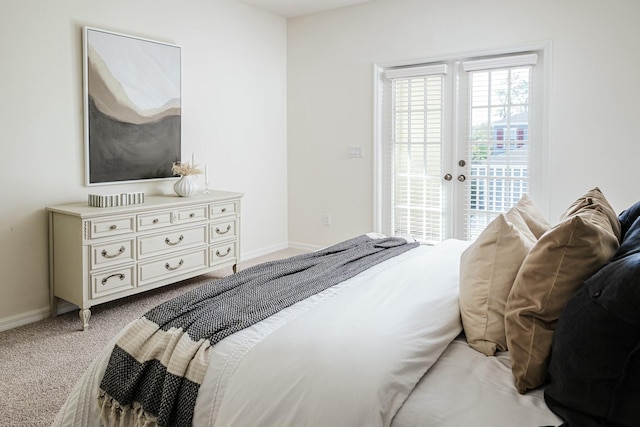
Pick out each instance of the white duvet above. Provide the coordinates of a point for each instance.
(349, 356)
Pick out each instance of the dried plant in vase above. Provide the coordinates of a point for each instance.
(188, 182)
(184, 169)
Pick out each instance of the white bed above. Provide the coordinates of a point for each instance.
(383, 348)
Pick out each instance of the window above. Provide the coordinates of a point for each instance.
(455, 143)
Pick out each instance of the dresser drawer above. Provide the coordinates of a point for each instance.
(171, 241)
(222, 209)
(115, 226)
(184, 216)
(113, 253)
(112, 281)
(154, 220)
(171, 266)
(222, 253)
(222, 230)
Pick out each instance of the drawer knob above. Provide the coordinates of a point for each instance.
(170, 243)
(113, 227)
(120, 275)
(105, 254)
(223, 210)
(223, 232)
(221, 255)
(155, 220)
(168, 267)
(191, 215)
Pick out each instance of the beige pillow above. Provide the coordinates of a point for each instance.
(488, 268)
(566, 255)
(589, 198)
(536, 222)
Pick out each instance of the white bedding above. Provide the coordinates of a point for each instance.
(467, 388)
(345, 357)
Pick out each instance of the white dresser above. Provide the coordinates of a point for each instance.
(102, 254)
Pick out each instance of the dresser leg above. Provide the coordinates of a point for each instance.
(85, 315)
(235, 268)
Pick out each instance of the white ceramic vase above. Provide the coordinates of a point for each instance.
(186, 186)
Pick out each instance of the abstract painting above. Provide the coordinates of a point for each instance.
(132, 95)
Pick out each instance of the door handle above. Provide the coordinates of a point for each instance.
(448, 177)
(461, 178)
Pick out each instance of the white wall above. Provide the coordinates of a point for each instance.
(233, 119)
(593, 104)
(244, 66)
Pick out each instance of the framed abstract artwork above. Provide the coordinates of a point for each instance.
(132, 114)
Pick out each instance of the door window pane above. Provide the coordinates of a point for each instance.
(417, 140)
(499, 165)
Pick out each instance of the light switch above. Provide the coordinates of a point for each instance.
(356, 151)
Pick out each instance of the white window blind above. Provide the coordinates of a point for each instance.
(500, 62)
(418, 71)
(416, 147)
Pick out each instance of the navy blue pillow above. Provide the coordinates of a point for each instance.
(628, 217)
(594, 369)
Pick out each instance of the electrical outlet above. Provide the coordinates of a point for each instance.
(326, 219)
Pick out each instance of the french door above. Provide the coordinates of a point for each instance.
(455, 144)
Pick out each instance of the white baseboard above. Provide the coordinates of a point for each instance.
(305, 246)
(32, 316)
(246, 256)
(23, 318)
(279, 247)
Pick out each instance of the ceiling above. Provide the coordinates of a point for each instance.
(292, 8)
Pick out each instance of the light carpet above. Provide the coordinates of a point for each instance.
(41, 362)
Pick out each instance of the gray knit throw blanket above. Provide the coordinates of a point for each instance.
(157, 366)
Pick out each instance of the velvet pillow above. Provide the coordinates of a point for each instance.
(589, 198)
(530, 213)
(584, 240)
(595, 363)
(488, 268)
